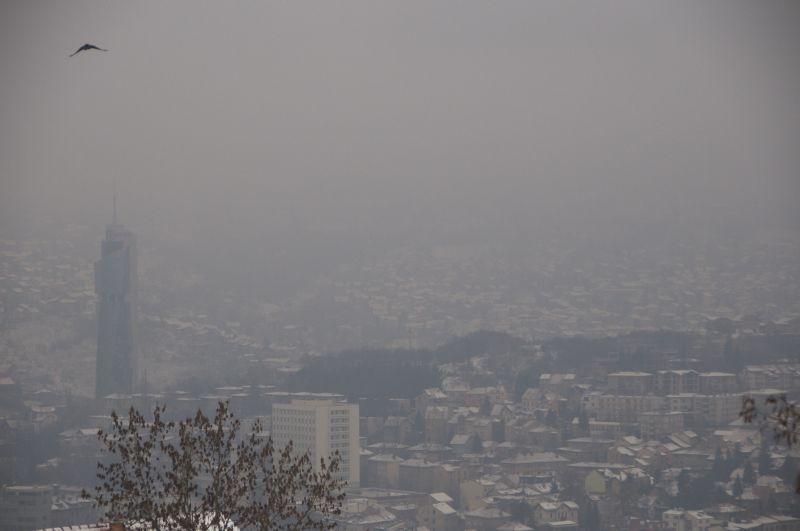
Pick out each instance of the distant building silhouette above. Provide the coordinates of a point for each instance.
(115, 285)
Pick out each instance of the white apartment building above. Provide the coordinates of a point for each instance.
(320, 427)
(631, 383)
(621, 408)
(677, 381)
(714, 410)
(774, 376)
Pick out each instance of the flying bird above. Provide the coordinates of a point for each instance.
(88, 47)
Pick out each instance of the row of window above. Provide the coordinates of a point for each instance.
(295, 429)
(293, 420)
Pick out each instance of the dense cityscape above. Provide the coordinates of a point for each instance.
(399, 266)
(525, 427)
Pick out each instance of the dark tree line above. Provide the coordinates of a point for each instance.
(478, 343)
(385, 373)
(369, 373)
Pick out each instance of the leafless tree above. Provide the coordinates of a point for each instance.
(204, 474)
(780, 416)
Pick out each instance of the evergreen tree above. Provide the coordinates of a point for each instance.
(499, 430)
(419, 421)
(764, 461)
(736, 459)
(719, 494)
(683, 483)
(486, 406)
(552, 418)
(583, 421)
(738, 488)
(553, 486)
(729, 464)
(588, 515)
(592, 522)
(732, 356)
(788, 470)
(718, 468)
(526, 379)
(698, 493)
(521, 511)
(749, 476)
(477, 444)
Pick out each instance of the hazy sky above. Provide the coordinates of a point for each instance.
(282, 115)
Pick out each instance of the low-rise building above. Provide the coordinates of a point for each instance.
(654, 425)
(25, 507)
(631, 382)
(558, 511)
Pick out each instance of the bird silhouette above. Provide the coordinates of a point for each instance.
(88, 47)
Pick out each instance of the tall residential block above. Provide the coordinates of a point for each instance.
(320, 427)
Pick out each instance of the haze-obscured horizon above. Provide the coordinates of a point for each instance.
(242, 133)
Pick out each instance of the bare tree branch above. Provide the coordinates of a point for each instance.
(201, 474)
